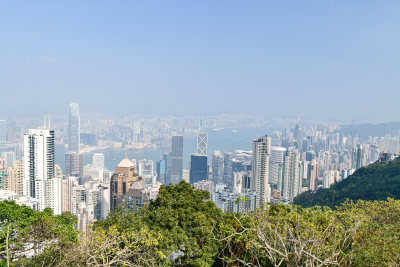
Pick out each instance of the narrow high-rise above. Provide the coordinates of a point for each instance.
(73, 128)
(260, 173)
(73, 158)
(39, 170)
(217, 167)
(276, 166)
(176, 159)
(291, 179)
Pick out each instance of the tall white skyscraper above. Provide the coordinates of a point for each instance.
(260, 164)
(39, 172)
(74, 122)
(291, 178)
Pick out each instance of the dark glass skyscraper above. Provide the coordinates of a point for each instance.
(198, 168)
(73, 128)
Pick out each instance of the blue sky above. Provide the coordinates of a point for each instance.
(313, 59)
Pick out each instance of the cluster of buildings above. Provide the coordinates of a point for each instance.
(277, 169)
(89, 192)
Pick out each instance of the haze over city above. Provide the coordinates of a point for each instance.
(199, 133)
(318, 60)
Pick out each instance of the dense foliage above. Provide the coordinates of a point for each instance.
(184, 228)
(378, 181)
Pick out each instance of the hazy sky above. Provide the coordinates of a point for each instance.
(316, 59)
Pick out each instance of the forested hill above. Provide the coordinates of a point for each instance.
(378, 181)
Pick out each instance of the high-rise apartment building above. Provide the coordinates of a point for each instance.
(176, 159)
(39, 169)
(16, 176)
(4, 179)
(291, 178)
(68, 185)
(312, 175)
(73, 128)
(260, 172)
(276, 166)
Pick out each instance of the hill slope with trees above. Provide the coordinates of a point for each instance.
(184, 228)
(378, 181)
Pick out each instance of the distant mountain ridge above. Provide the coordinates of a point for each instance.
(377, 181)
(368, 129)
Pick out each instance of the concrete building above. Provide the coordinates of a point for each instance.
(291, 178)
(260, 169)
(39, 169)
(16, 176)
(121, 181)
(276, 167)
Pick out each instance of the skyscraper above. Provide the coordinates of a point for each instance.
(176, 159)
(358, 157)
(98, 160)
(217, 167)
(146, 171)
(276, 166)
(39, 170)
(260, 173)
(228, 171)
(120, 185)
(312, 175)
(291, 178)
(73, 128)
(198, 168)
(161, 171)
(73, 158)
(202, 143)
(74, 164)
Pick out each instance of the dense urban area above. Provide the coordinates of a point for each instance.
(216, 206)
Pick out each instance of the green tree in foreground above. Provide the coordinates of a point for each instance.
(183, 228)
(38, 234)
(187, 220)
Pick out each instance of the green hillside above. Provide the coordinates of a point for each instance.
(378, 181)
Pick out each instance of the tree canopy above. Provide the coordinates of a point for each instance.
(378, 181)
